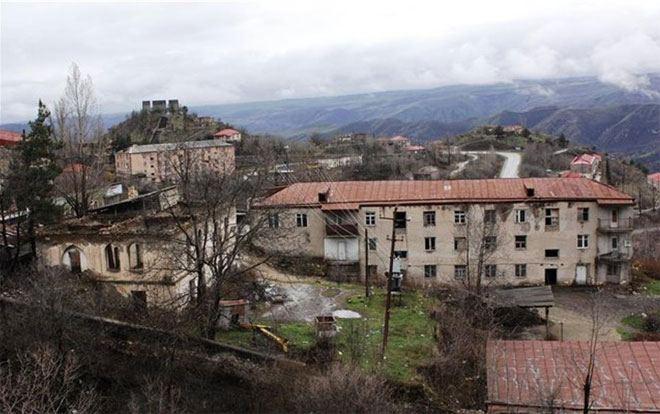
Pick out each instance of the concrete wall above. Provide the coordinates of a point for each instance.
(506, 256)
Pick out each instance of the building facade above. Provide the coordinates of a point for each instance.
(507, 231)
(164, 162)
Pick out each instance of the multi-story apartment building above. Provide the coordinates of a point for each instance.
(165, 162)
(510, 231)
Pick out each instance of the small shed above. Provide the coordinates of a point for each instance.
(525, 297)
(233, 313)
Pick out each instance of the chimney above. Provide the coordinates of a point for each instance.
(530, 191)
(324, 196)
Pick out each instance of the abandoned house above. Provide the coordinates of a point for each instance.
(228, 135)
(167, 162)
(549, 376)
(131, 245)
(529, 231)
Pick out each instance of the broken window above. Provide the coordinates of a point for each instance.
(583, 214)
(521, 270)
(615, 243)
(430, 270)
(552, 218)
(135, 256)
(521, 242)
(429, 243)
(460, 271)
(301, 220)
(429, 218)
(401, 254)
(490, 270)
(274, 221)
(460, 243)
(552, 253)
(112, 257)
(490, 217)
(373, 243)
(400, 220)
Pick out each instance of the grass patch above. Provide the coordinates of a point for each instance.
(653, 287)
(410, 340)
(635, 321)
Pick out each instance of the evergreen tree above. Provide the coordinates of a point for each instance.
(32, 173)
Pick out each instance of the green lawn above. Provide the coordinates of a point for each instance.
(359, 340)
(653, 287)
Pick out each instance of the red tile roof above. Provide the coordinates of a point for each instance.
(9, 138)
(654, 178)
(571, 174)
(357, 193)
(525, 373)
(227, 132)
(587, 159)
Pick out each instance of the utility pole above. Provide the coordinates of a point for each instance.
(388, 299)
(366, 263)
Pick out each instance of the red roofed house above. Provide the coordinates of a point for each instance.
(545, 230)
(654, 180)
(228, 135)
(587, 164)
(548, 376)
(9, 138)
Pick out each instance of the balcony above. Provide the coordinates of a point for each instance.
(619, 226)
(622, 254)
(341, 230)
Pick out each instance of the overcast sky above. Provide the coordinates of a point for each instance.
(205, 53)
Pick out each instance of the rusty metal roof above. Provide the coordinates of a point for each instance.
(531, 373)
(446, 191)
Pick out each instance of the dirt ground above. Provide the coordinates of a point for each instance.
(304, 298)
(573, 307)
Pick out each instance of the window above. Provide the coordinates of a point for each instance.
(521, 242)
(460, 271)
(370, 218)
(135, 256)
(552, 253)
(112, 257)
(373, 243)
(615, 243)
(301, 220)
(460, 243)
(490, 270)
(400, 220)
(490, 217)
(401, 254)
(429, 243)
(613, 269)
(583, 214)
(521, 270)
(490, 242)
(582, 241)
(521, 216)
(274, 221)
(459, 217)
(429, 218)
(430, 270)
(552, 217)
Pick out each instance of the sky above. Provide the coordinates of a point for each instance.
(214, 53)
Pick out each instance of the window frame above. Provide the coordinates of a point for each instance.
(428, 218)
(301, 220)
(370, 218)
(490, 216)
(430, 271)
(274, 220)
(490, 242)
(460, 217)
(490, 271)
(523, 241)
(521, 212)
(429, 243)
(460, 272)
(583, 214)
(551, 257)
(400, 220)
(582, 241)
(373, 243)
(520, 270)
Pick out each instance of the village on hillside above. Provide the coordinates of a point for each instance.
(439, 266)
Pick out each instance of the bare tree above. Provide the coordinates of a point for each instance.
(78, 125)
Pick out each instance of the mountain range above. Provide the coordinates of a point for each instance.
(584, 109)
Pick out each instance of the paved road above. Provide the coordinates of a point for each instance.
(511, 162)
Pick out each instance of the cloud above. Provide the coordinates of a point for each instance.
(227, 52)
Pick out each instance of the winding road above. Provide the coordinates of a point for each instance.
(510, 168)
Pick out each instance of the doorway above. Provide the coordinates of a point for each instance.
(74, 259)
(581, 274)
(550, 276)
